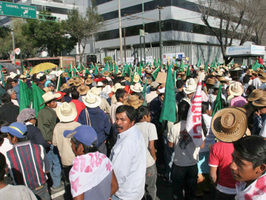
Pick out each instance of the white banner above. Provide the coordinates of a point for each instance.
(194, 126)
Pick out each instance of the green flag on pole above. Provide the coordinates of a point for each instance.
(181, 69)
(96, 70)
(91, 68)
(255, 66)
(25, 96)
(218, 104)
(187, 72)
(116, 69)
(37, 99)
(79, 66)
(3, 79)
(206, 66)
(169, 103)
(65, 70)
(87, 71)
(139, 70)
(199, 63)
(155, 73)
(58, 83)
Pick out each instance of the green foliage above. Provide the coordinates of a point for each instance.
(107, 59)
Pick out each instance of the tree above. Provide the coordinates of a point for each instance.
(232, 21)
(83, 28)
(49, 36)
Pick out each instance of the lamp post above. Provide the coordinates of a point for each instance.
(160, 32)
(120, 32)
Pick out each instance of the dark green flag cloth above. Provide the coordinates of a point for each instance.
(206, 67)
(25, 96)
(169, 103)
(255, 66)
(155, 73)
(37, 99)
(187, 72)
(218, 104)
(199, 63)
(181, 69)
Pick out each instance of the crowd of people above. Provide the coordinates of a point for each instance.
(100, 136)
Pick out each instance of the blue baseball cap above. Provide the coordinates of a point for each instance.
(16, 129)
(84, 134)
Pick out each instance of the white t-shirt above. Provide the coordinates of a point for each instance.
(6, 146)
(149, 133)
(20, 192)
(186, 153)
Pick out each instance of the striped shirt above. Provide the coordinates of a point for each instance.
(27, 164)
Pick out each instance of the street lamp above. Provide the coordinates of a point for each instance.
(13, 52)
(160, 31)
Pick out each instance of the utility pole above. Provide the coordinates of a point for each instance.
(120, 32)
(125, 47)
(160, 32)
(13, 39)
(143, 24)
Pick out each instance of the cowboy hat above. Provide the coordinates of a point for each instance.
(222, 79)
(236, 89)
(136, 88)
(70, 81)
(128, 78)
(229, 124)
(49, 96)
(64, 86)
(133, 101)
(91, 100)
(210, 81)
(83, 89)
(96, 91)
(105, 73)
(88, 81)
(255, 95)
(261, 102)
(117, 86)
(263, 77)
(66, 112)
(191, 86)
(136, 78)
(77, 82)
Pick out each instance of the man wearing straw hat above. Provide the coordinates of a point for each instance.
(259, 121)
(228, 125)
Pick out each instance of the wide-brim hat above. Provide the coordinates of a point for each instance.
(91, 100)
(263, 77)
(210, 81)
(96, 91)
(191, 86)
(64, 86)
(222, 79)
(136, 78)
(202, 67)
(70, 81)
(136, 88)
(88, 81)
(261, 102)
(229, 124)
(106, 73)
(128, 78)
(236, 89)
(83, 89)
(66, 112)
(133, 101)
(255, 95)
(117, 86)
(49, 96)
(77, 82)
(100, 84)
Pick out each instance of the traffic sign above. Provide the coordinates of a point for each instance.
(17, 51)
(17, 10)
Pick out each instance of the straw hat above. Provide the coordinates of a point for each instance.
(70, 81)
(133, 101)
(83, 89)
(77, 82)
(91, 100)
(66, 112)
(202, 67)
(105, 73)
(46, 89)
(64, 86)
(191, 86)
(136, 78)
(100, 84)
(261, 102)
(136, 88)
(96, 91)
(49, 96)
(117, 86)
(255, 95)
(229, 124)
(222, 79)
(236, 89)
(88, 81)
(210, 81)
(128, 78)
(263, 77)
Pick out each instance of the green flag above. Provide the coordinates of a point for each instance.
(70, 71)
(96, 70)
(255, 66)
(91, 68)
(79, 66)
(199, 63)
(155, 73)
(75, 71)
(187, 72)
(181, 69)
(23, 68)
(30, 69)
(87, 71)
(126, 69)
(58, 84)
(25, 96)
(139, 70)
(206, 66)
(1, 68)
(116, 69)
(169, 103)
(106, 67)
(112, 67)
(37, 99)
(3, 79)
(218, 104)
(65, 70)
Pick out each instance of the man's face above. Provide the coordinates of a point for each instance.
(243, 170)
(122, 122)
(52, 104)
(12, 140)
(262, 110)
(125, 97)
(13, 95)
(13, 84)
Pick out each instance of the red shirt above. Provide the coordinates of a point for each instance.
(221, 157)
(79, 106)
